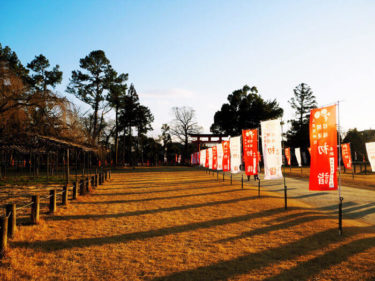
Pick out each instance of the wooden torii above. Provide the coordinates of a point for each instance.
(206, 138)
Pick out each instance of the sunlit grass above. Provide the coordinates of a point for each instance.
(184, 225)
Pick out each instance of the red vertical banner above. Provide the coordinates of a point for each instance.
(287, 156)
(226, 156)
(250, 151)
(214, 157)
(323, 143)
(346, 155)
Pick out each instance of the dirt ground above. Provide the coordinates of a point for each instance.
(183, 224)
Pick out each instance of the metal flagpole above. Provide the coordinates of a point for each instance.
(285, 187)
(339, 187)
(258, 161)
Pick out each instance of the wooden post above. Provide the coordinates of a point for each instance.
(87, 184)
(105, 175)
(96, 180)
(65, 195)
(52, 201)
(4, 235)
(75, 190)
(11, 212)
(109, 173)
(231, 179)
(35, 209)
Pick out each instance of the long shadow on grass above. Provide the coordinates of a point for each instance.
(155, 170)
(154, 191)
(279, 226)
(228, 269)
(352, 210)
(53, 245)
(154, 211)
(309, 195)
(305, 270)
(157, 198)
(154, 182)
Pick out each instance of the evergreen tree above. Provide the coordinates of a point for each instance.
(244, 110)
(116, 99)
(91, 82)
(302, 102)
(42, 77)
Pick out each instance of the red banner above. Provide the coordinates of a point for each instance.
(226, 156)
(214, 157)
(250, 151)
(287, 156)
(323, 143)
(346, 155)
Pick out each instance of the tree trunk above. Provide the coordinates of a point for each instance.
(124, 147)
(95, 123)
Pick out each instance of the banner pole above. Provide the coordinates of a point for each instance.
(339, 188)
(285, 187)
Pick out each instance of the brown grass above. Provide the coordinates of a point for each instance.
(184, 225)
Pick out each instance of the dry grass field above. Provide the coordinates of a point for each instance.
(182, 224)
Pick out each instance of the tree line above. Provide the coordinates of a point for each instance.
(119, 122)
(246, 108)
(30, 104)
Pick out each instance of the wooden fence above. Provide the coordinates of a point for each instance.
(8, 222)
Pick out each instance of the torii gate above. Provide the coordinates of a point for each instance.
(207, 138)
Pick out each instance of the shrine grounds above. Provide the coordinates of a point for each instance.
(185, 224)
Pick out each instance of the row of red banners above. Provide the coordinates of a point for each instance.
(323, 151)
(345, 153)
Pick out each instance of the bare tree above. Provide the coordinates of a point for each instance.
(184, 124)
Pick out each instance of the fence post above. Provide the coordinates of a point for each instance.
(35, 209)
(75, 190)
(4, 235)
(52, 201)
(65, 195)
(12, 221)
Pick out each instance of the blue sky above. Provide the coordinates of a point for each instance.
(195, 53)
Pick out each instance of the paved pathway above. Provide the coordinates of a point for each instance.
(358, 203)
